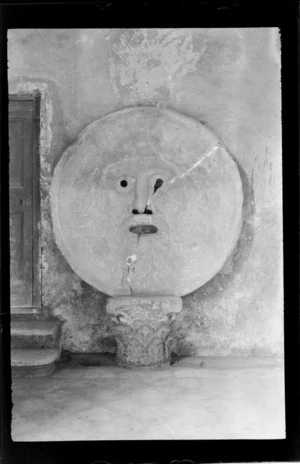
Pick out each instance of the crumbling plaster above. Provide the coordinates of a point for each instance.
(229, 79)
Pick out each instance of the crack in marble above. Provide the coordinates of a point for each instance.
(206, 155)
(130, 260)
(129, 280)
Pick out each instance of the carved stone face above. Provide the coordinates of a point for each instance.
(146, 202)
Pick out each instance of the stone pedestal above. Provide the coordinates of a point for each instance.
(142, 327)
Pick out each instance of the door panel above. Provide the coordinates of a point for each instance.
(16, 247)
(21, 157)
(16, 135)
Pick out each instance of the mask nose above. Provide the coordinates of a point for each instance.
(141, 196)
(146, 211)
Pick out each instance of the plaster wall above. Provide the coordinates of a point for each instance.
(229, 79)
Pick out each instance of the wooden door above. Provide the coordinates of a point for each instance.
(23, 182)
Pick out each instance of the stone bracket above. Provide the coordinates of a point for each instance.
(142, 327)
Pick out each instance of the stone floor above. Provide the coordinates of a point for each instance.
(196, 398)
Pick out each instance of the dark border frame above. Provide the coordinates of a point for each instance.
(283, 14)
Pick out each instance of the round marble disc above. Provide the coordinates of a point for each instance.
(146, 202)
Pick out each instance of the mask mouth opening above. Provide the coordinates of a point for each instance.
(143, 229)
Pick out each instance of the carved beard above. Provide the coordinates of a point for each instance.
(145, 256)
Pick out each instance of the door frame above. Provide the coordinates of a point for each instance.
(35, 97)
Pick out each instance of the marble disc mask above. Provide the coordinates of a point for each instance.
(146, 202)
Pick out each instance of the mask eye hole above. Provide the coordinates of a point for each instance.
(124, 184)
(158, 184)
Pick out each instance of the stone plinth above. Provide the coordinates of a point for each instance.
(142, 327)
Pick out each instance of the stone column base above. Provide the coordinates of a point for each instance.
(142, 327)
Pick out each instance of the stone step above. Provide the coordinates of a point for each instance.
(33, 362)
(29, 311)
(35, 333)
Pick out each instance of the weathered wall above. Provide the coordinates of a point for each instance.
(228, 79)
